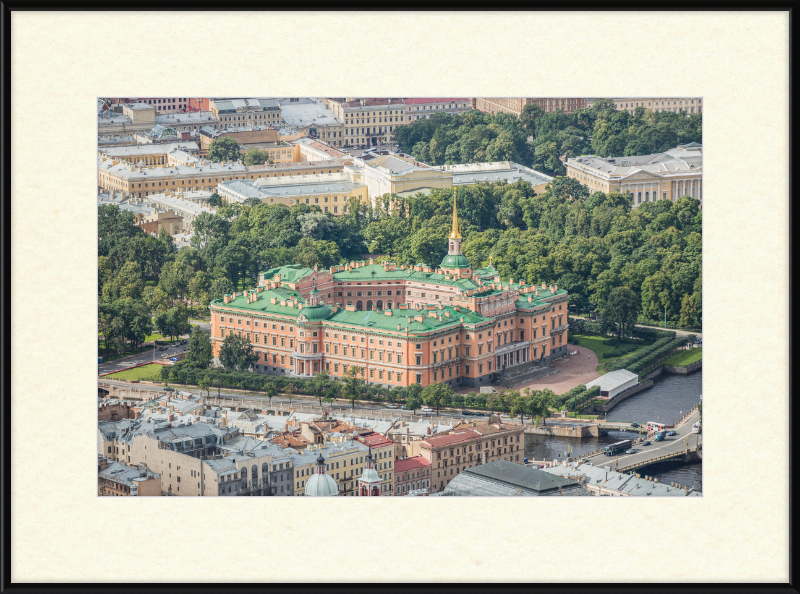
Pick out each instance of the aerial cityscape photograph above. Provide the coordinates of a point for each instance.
(343, 296)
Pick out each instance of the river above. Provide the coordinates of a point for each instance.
(670, 396)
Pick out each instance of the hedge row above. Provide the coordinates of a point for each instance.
(626, 362)
(579, 395)
(656, 356)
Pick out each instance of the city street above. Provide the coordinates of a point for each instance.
(337, 406)
(676, 443)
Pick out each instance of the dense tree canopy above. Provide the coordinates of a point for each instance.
(538, 139)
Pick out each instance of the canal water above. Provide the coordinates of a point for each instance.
(670, 396)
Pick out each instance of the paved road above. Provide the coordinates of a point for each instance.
(676, 443)
(337, 406)
(145, 357)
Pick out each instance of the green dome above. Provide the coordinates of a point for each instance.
(312, 313)
(454, 262)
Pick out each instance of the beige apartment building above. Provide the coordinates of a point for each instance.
(234, 112)
(657, 104)
(332, 192)
(148, 154)
(369, 122)
(463, 448)
(515, 105)
(344, 462)
(397, 173)
(663, 176)
(120, 176)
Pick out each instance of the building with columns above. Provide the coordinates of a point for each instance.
(675, 104)
(515, 105)
(663, 176)
(397, 324)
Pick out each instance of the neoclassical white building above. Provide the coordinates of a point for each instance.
(662, 176)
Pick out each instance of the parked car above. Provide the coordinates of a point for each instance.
(671, 433)
(183, 341)
(169, 389)
(635, 425)
(426, 409)
(505, 415)
(391, 405)
(646, 442)
(630, 451)
(479, 414)
(467, 412)
(162, 348)
(403, 407)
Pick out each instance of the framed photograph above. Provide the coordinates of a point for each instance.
(490, 270)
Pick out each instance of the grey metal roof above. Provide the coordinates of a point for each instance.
(618, 481)
(612, 379)
(520, 476)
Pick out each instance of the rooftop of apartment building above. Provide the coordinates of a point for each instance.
(624, 483)
(427, 100)
(407, 464)
(301, 115)
(191, 117)
(375, 102)
(149, 149)
(393, 164)
(466, 434)
(321, 146)
(124, 474)
(504, 478)
(292, 186)
(301, 165)
(239, 105)
(508, 171)
(683, 158)
(129, 171)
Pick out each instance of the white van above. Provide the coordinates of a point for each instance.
(426, 409)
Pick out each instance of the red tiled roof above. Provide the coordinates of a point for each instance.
(374, 440)
(451, 438)
(410, 464)
(433, 100)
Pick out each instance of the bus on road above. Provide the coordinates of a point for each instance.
(655, 426)
(615, 448)
(661, 435)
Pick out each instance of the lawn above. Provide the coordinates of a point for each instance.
(153, 336)
(601, 347)
(138, 373)
(683, 358)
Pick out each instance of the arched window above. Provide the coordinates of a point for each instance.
(244, 473)
(254, 472)
(369, 305)
(359, 305)
(264, 473)
(379, 304)
(349, 302)
(388, 305)
(374, 490)
(640, 197)
(647, 196)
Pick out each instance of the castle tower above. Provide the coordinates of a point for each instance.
(454, 262)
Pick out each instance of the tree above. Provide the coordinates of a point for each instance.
(269, 389)
(224, 148)
(219, 288)
(437, 395)
(199, 353)
(236, 353)
(256, 157)
(413, 400)
(174, 322)
(205, 384)
(215, 200)
(352, 384)
(288, 390)
(319, 384)
(620, 311)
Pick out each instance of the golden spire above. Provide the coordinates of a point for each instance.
(454, 234)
